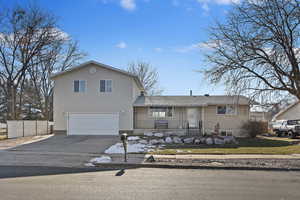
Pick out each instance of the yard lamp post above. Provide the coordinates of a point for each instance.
(124, 140)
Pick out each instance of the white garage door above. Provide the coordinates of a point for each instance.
(93, 124)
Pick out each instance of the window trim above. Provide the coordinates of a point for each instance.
(105, 92)
(85, 88)
(235, 112)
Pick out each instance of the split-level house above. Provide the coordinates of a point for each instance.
(97, 99)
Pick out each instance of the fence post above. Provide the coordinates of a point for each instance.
(36, 127)
(23, 128)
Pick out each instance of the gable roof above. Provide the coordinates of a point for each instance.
(285, 110)
(85, 64)
(189, 100)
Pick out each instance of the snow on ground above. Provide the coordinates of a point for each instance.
(102, 159)
(89, 165)
(131, 148)
(133, 138)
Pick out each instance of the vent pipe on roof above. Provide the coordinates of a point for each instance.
(191, 92)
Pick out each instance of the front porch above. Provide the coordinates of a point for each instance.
(168, 119)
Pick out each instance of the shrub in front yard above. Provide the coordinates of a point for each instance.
(254, 128)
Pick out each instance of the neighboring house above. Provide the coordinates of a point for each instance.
(96, 99)
(258, 116)
(289, 113)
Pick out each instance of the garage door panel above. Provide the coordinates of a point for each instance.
(93, 124)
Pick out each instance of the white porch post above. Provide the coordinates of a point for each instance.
(202, 117)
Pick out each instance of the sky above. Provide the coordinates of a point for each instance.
(169, 34)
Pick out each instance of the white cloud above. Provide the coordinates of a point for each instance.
(121, 45)
(197, 46)
(205, 7)
(221, 2)
(158, 49)
(128, 4)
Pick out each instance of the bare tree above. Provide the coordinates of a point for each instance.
(25, 32)
(147, 75)
(256, 51)
(59, 58)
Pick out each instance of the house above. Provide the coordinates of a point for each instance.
(96, 99)
(289, 113)
(258, 116)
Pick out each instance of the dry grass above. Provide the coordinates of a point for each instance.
(259, 145)
(3, 137)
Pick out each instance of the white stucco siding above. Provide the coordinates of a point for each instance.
(92, 101)
(290, 114)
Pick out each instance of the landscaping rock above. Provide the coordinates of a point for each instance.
(154, 142)
(169, 140)
(188, 140)
(197, 141)
(143, 141)
(149, 134)
(158, 134)
(218, 141)
(177, 140)
(228, 139)
(202, 140)
(209, 141)
(161, 141)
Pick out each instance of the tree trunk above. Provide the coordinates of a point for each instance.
(11, 101)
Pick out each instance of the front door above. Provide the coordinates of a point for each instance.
(192, 117)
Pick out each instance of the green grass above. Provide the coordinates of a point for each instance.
(259, 145)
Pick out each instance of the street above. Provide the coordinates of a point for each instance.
(39, 183)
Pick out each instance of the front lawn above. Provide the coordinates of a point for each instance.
(259, 145)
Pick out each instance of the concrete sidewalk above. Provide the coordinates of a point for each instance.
(237, 162)
(232, 156)
(140, 158)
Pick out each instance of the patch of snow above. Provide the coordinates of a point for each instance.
(158, 135)
(89, 165)
(179, 151)
(143, 141)
(153, 142)
(133, 138)
(102, 159)
(131, 148)
(149, 134)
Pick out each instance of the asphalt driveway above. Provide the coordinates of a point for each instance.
(70, 144)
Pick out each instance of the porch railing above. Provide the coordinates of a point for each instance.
(194, 131)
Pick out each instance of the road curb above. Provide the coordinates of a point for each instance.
(167, 166)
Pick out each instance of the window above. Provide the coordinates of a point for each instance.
(105, 85)
(226, 110)
(226, 133)
(79, 86)
(161, 112)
